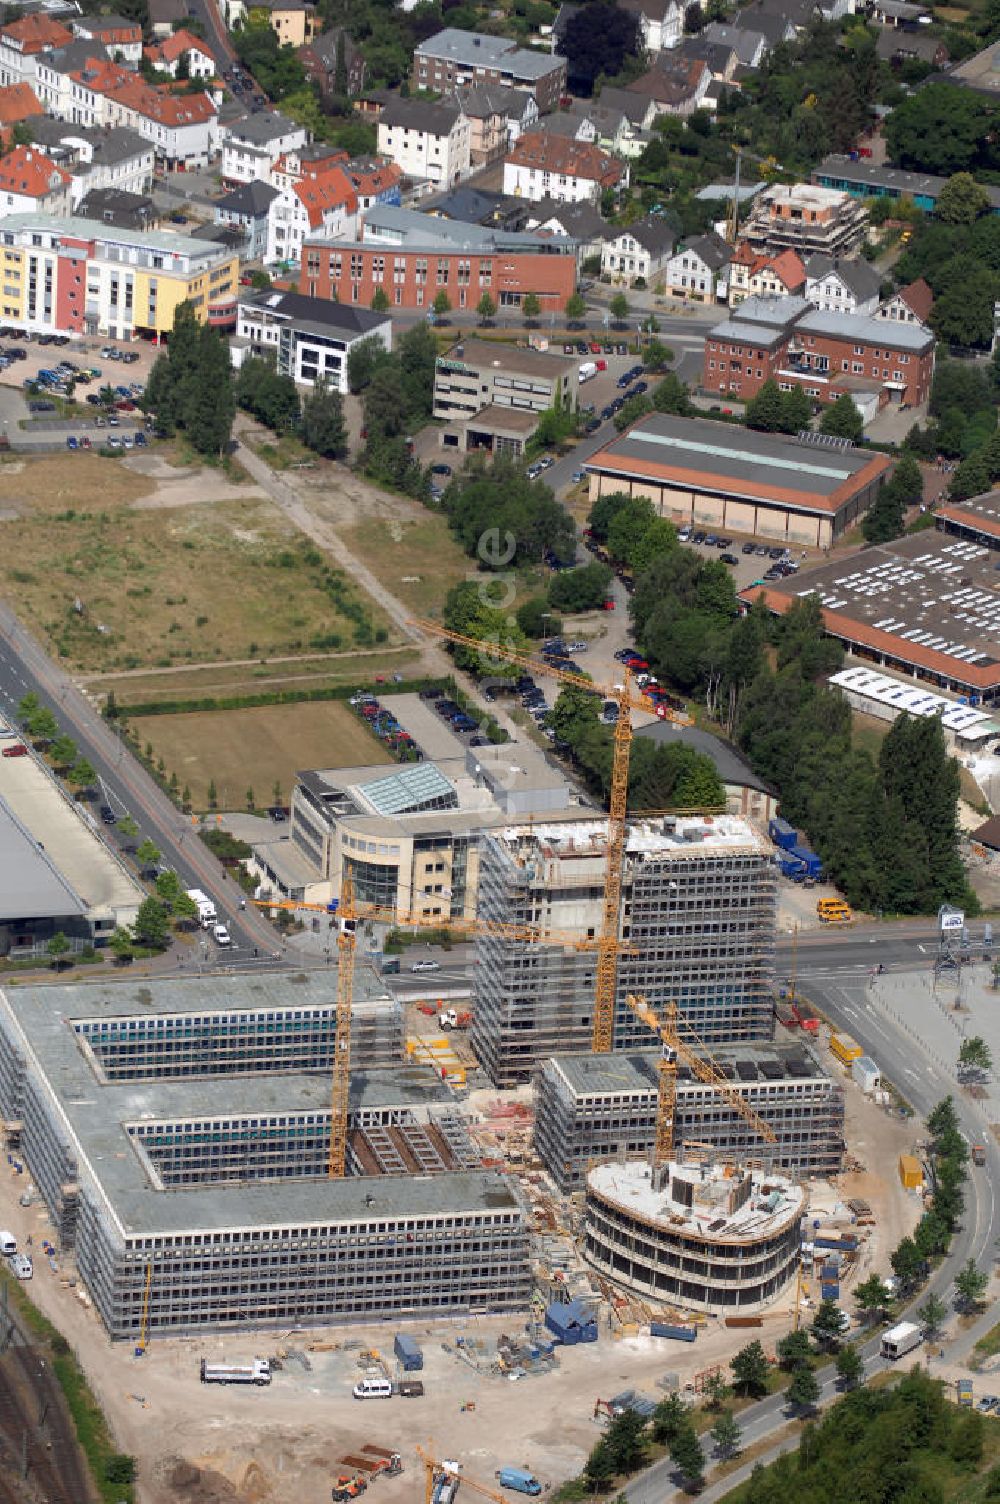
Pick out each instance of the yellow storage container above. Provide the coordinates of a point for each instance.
(845, 1048)
(910, 1173)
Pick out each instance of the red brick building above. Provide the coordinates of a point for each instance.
(794, 344)
(462, 261)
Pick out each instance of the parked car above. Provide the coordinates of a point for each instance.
(426, 966)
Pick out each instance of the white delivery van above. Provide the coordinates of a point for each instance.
(373, 1389)
(20, 1265)
(222, 935)
(8, 1242)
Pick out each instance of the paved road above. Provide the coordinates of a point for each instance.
(24, 667)
(206, 11)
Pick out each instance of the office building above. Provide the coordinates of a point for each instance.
(309, 339)
(697, 925)
(603, 1107)
(180, 1146)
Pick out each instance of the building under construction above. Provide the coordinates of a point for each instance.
(600, 1107)
(179, 1132)
(697, 925)
(709, 1236)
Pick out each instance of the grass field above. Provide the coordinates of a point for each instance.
(111, 587)
(243, 749)
(419, 561)
(325, 670)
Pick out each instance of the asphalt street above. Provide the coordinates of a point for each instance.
(25, 667)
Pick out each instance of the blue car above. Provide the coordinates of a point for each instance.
(72, 442)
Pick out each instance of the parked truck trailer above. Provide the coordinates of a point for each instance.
(257, 1372)
(901, 1339)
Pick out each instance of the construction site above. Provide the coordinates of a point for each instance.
(269, 1175)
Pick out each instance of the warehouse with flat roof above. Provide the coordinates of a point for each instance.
(178, 1132)
(805, 490)
(926, 605)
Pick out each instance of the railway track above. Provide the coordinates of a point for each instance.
(36, 1428)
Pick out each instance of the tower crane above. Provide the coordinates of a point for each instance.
(770, 165)
(675, 1048)
(627, 699)
(434, 1470)
(345, 913)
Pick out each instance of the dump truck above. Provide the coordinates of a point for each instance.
(979, 1154)
(392, 1460)
(257, 1372)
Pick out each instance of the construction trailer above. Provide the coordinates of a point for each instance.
(598, 1107)
(697, 925)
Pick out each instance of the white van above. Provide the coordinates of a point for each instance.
(373, 1389)
(222, 935)
(20, 1265)
(8, 1243)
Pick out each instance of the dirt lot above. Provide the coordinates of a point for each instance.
(415, 557)
(238, 748)
(113, 584)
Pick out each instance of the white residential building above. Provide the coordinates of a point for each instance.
(24, 41)
(251, 146)
(661, 22)
(842, 286)
(429, 142)
(543, 166)
(640, 253)
(699, 269)
(30, 182)
(120, 38)
(309, 338)
(167, 56)
(326, 206)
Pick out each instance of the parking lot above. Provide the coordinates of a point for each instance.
(32, 420)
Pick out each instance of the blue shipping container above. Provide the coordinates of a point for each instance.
(571, 1322)
(809, 859)
(408, 1352)
(781, 833)
(829, 1292)
(681, 1333)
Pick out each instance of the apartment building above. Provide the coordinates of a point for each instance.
(795, 344)
(115, 159)
(497, 117)
(837, 285)
(454, 59)
(603, 1107)
(294, 22)
(181, 47)
(661, 23)
(428, 142)
(120, 37)
(806, 218)
(30, 181)
(24, 41)
(640, 253)
(324, 55)
(309, 339)
(697, 921)
(699, 269)
(322, 205)
(77, 276)
(540, 165)
(250, 147)
(911, 304)
(413, 257)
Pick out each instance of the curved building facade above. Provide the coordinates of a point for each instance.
(710, 1237)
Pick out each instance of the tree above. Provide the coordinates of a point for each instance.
(576, 308)
(57, 948)
(596, 41)
(939, 129)
(536, 620)
(530, 307)
(618, 308)
(932, 1313)
(63, 751)
(635, 408)
(43, 726)
(967, 1440)
(872, 1296)
(599, 1470)
(672, 396)
(364, 358)
(943, 1118)
(804, 1390)
(486, 309)
(208, 418)
(121, 944)
(127, 827)
(441, 305)
(213, 794)
(27, 706)
(269, 396)
(974, 1054)
(150, 927)
(750, 1369)
(715, 1390)
(793, 1349)
(828, 1323)
(148, 854)
(81, 775)
(625, 1439)
(686, 1453)
(842, 419)
(971, 1284)
(765, 411)
(668, 1418)
(657, 356)
(185, 909)
(726, 1434)
(961, 201)
(380, 300)
(323, 428)
(850, 1366)
(908, 1264)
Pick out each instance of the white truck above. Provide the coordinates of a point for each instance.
(900, 1340)
(221, 934)
(257, 1372)
(587, 371)
(205, 907)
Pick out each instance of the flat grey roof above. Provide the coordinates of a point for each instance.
(384, 224)
(96, 1114)
(30, 886)
(492, 355)
(474, 49)
(636, 1070)
(895, 179)
(756, 334)
(94, 229)
(736, 459)
(897, 335)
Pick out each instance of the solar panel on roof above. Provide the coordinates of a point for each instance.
(771, 1070)
(746, 1070)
